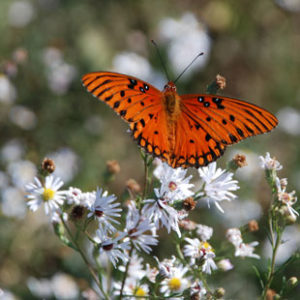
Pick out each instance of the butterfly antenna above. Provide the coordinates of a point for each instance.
(160, 58)
(188, 66)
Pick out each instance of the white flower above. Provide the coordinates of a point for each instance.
(287, 199)
(225, 264)
(176, 282)
(104, 209)
(269, 163)
(137, 227)
(113, 248)
(204, 232)
(64, 287)
(132, 287)
(201, 251)
(234, 236)
(73, 196)
(246, 250)
(158, 211)
(166, 266)
(135, 268)
(46, 194)
(218, 184)
(197, 290)
(174, 185)
(151, 273)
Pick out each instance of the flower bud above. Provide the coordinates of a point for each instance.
(270, 294)
(219, 293)
(221, 81)
(113, 166)
(133, 186)
(253, 226)
(293, 281)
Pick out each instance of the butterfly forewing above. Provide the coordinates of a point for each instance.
(127, 95)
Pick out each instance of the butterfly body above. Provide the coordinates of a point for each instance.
(183, 130)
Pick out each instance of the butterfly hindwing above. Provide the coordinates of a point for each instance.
(228, 120)
(126, 95)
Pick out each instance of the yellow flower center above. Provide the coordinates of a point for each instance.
(139, 292)
(48, 194)
(174, 284)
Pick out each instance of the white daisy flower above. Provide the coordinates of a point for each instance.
(287, 199)
(218, 185)
(115, 249)
(197, 290)
(162, 214)
(165, 267)
(104, 210)
(246, 250)
(73, 196)
(132, 287)
(234, 236)
(174, 184)
(47, 194)
(269, 163)
(135, 268)
(137, 228)
(204, 232)
(176, 282)
(151, 273)
(201, 251)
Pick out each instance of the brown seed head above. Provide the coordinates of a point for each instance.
(189, 204)
(240, 160)
(48, 165)
(113, 167)
(221, 81)
(253, 226)
(220, 292)
(77, 212)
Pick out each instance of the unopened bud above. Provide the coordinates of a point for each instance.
(221, 81)
(113, 166)
(225, 264)
(133, 186)
(253, 226)
(270, 294)
(189, 204)
(293, 281)
(187, 224)
(220, 292)
(48, 165)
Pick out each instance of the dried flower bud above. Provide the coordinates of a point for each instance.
(293, 281)
(240, 160)
(253, 226)
(219, 293)
(77, 212)
(133, 186)
(113, 166)
(221, 82)
(48, 165)
(270, 294)
(189, 204)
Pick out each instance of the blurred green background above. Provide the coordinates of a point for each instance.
(47, 45)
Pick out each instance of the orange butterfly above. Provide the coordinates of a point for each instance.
(184, 131)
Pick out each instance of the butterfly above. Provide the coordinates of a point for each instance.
(183, 130)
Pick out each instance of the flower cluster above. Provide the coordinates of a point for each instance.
(120, 232)
(242, 249)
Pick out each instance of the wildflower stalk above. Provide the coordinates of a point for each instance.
(126, 272)
(92, 271)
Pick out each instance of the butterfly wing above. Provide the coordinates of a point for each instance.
(138, 103)
(208, 123)
(128, 96)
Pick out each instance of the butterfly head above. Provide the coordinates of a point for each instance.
(170, 87)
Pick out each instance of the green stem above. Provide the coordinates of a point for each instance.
(92, 271)
(275, 245)
(126, 272)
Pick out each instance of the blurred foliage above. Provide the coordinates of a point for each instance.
(255, 45)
